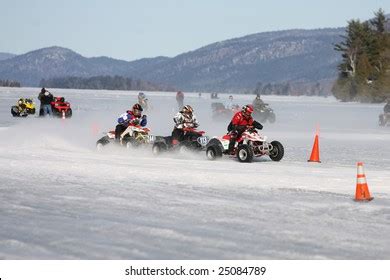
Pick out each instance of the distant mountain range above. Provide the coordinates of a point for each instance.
(4, 56)
(304, 56)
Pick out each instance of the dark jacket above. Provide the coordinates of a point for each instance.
(386, 109)
(46, 99)
(179, 96)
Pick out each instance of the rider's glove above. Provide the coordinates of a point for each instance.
(257, 125)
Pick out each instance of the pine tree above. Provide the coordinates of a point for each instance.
(364, 71)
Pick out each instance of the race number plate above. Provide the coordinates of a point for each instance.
(203, 140)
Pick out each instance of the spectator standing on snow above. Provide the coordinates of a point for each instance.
(46, 98)
(386, 109)
(180, 99)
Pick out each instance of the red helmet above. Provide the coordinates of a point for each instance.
(247, 110)
(137, 110)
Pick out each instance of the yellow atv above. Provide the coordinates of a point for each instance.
(23, 108)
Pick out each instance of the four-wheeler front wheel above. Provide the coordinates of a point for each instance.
(158, 148)
(213, 152)
(214, 149)
(277, 152)
(68, 113)
(15, 111)
(245, 153)
(102, 142)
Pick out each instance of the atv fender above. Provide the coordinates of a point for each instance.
(215, 142)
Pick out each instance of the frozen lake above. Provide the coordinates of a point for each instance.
(61, 199)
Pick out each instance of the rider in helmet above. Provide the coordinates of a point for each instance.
(184, 119)
(384, 118)
(180, 98)
(229, 104)
(386, 109)
(239, 123)
(258, 103)
(142, 100)
(141, 97)
(131, 117)
(22, 107)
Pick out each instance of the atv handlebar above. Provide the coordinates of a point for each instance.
(192, 129)
(139, 127)
(251, 128)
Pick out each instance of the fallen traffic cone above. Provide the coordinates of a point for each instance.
(315, 152)
(362, 192)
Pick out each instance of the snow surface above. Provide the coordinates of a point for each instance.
(61, 199)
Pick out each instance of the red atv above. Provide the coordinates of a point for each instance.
(61, 108)
(250, 144)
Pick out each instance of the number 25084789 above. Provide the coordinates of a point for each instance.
(248, 270)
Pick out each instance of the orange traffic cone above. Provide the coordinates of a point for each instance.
(315, 152)
(362, 192)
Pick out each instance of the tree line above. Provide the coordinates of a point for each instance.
(364, 73)
(103, 82)
(9, 83)
(287, 88)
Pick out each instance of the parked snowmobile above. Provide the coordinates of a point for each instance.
(61, 108)
(194, 140)
(134, 136)
(384, 119)
(250, 144)
(264, 113)
(23, 108)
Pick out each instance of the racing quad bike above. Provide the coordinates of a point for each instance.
(23, 108)
(220, 112)
(264, 113)
(133, 137)
(250, 144)
(144, 103)
(193, 140)
(61, 108)
(384, 119)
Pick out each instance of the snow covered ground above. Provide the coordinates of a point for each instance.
(60, 199)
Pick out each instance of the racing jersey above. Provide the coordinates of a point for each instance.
(128, 118)
(182, 121)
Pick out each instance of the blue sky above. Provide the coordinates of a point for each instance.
(136, 29)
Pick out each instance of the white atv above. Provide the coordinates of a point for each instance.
(134, 136)
(250, 144)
